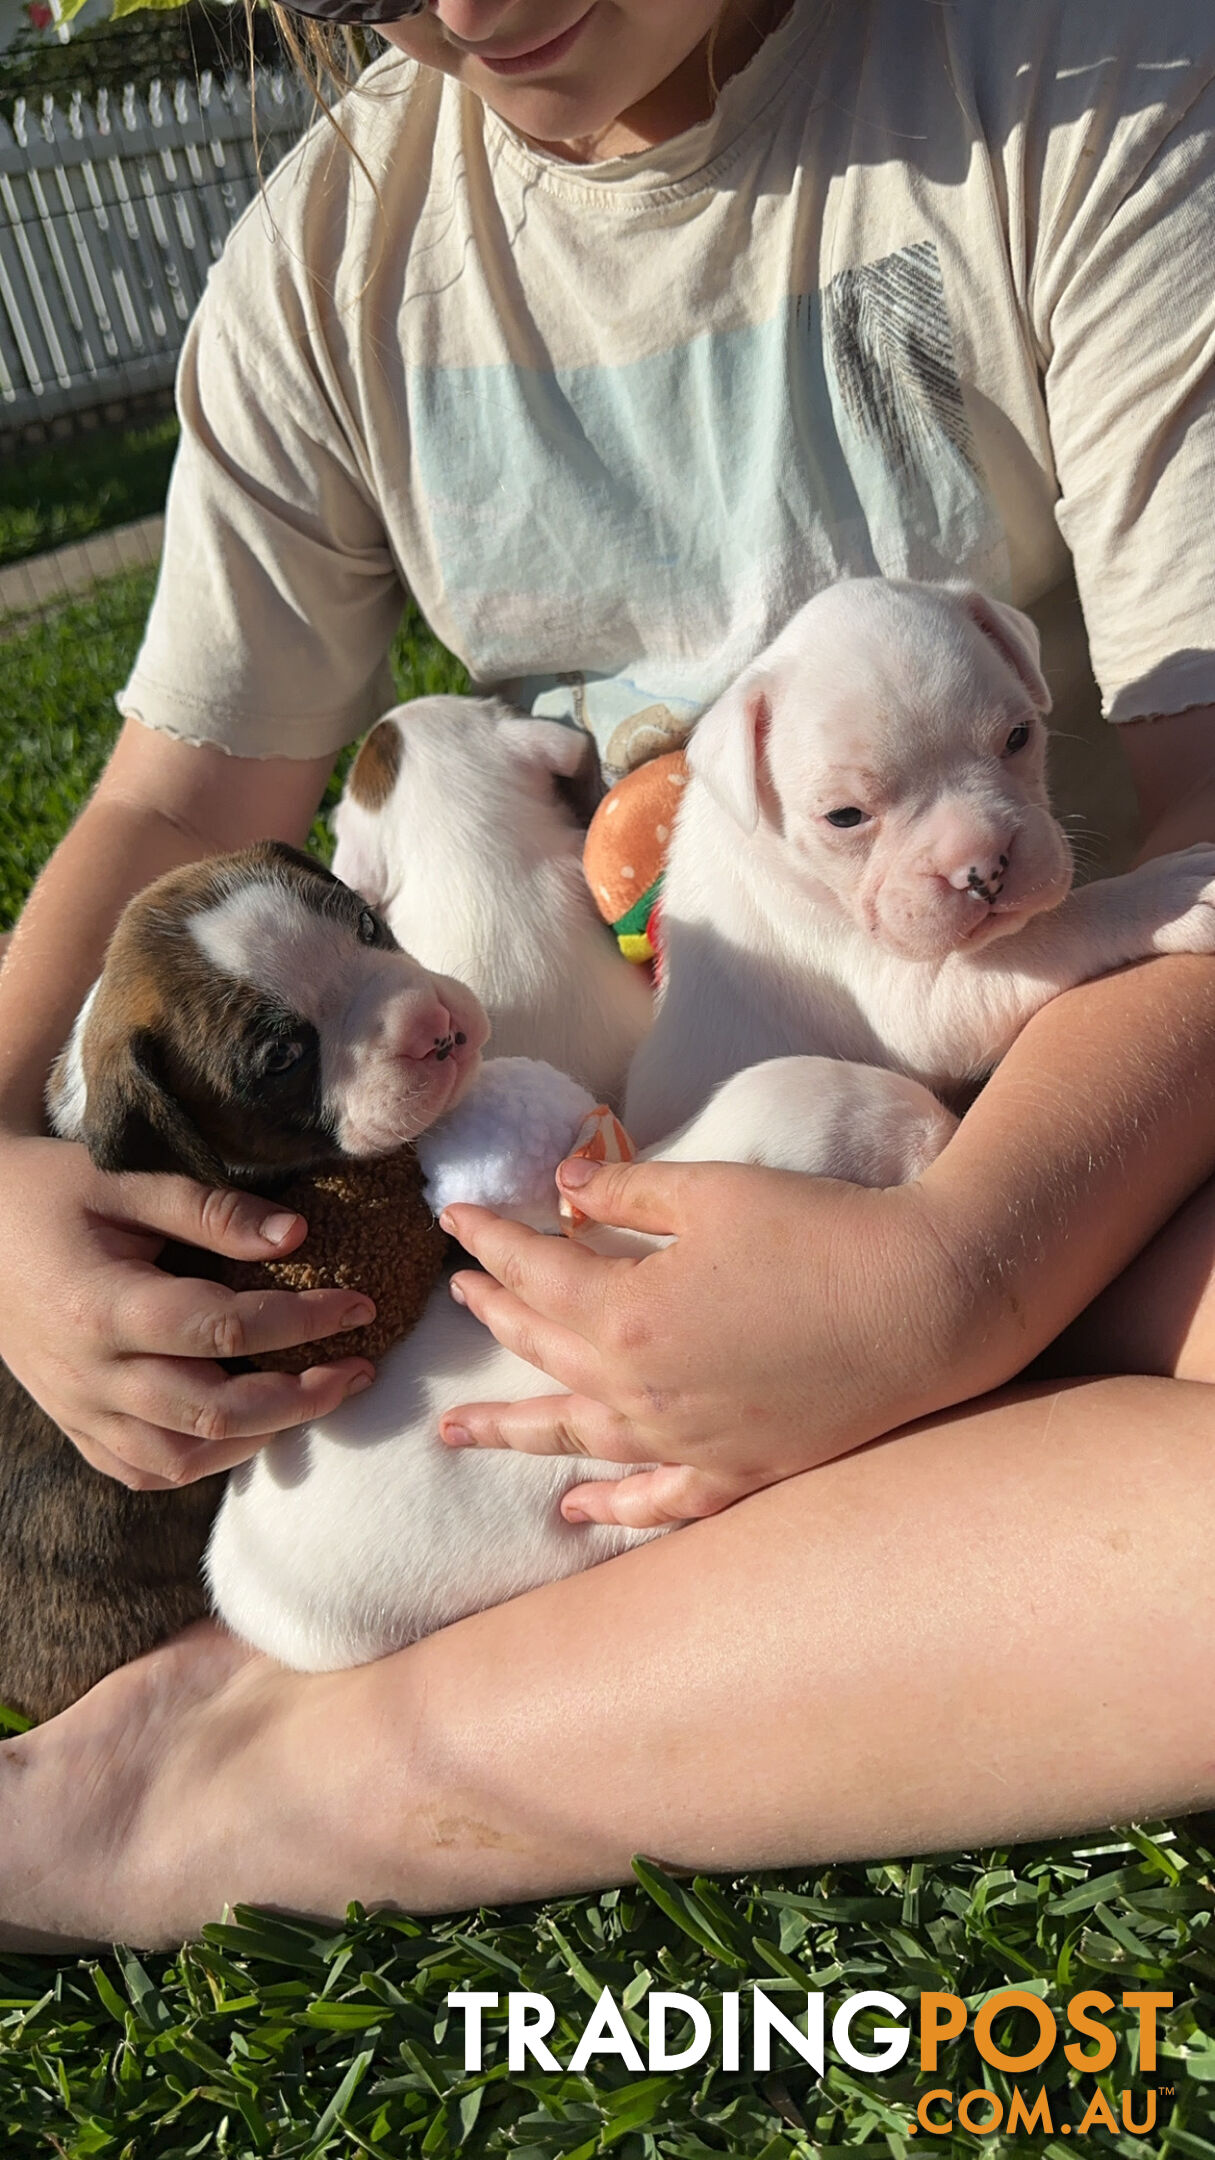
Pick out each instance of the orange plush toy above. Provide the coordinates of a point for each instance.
(626, 851)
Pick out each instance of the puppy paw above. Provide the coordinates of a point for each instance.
(1185, 885)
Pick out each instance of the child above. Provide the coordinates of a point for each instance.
(612, 331)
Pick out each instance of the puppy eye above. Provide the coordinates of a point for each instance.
(850, 816)
(369, 928)
(282, 1057)
(1017, 740)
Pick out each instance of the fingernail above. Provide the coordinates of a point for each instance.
(577, 1171)
(360, 1381)
(446, 1223)
(455, 1436)
(358, 1315)
(574, 1514)
(456, 1292)
(277, 1227)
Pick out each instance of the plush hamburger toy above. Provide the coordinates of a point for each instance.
(626, 850)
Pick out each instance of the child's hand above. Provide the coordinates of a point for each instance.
(793, 1318)
(122, 1355)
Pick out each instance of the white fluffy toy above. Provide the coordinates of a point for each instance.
(500, 1147)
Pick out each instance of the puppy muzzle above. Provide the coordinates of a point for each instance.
(983, 884)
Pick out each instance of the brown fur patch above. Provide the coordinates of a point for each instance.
(161, 1045)
(374, 772)
(92, 1575)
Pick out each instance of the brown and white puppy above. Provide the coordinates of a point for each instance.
(255, 995)
(253, 1018)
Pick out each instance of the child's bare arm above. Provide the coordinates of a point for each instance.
(159, 802)
(82, 1312)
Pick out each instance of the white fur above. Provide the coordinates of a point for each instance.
(923, 939)
(66, 1101)
(477, 867)
(348, 1538)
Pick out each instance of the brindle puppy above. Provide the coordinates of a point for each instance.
(253, 1018)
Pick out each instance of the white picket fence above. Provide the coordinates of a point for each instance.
(110, 217)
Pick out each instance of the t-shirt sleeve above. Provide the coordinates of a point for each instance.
(1123, 305)
(278, 595)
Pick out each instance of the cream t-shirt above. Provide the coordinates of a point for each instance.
(932, 295)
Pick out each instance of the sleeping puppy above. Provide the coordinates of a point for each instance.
(253, 1018)
(865, 864)
(454, 824)
(352, 1536)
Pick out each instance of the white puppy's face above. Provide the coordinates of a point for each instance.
(888, 751)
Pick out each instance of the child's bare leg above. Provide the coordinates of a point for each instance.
(907, 1649)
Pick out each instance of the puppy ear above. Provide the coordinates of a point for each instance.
(132, 1122)
(373, 775)
(560, 748)
(568, 753)
(359, 858)
(279, 853)
(727, 744)
(1014, 636)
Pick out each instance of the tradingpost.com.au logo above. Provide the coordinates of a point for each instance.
(1086, 2039)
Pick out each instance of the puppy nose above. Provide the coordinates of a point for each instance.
(422, 1028)
(448, 1043)
(983, 878)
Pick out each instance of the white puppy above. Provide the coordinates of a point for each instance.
(865, 864)
(348, 1538)
(452, 826)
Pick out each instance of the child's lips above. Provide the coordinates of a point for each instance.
(534, 57)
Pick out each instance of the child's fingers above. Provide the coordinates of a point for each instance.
(654, 1499)
(183, 1317)
(557, 1279)
(554, 1350)
(547, 1425)
(192, 1420)
(632, 1196)
(238, 1224)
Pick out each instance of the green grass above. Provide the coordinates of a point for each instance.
(58, 675)
(72, 489)
(277, 2038)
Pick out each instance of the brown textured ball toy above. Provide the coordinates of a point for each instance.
(369, 1229)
